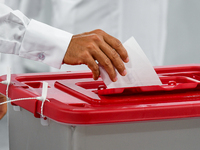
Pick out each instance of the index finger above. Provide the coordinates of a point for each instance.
(117, 45)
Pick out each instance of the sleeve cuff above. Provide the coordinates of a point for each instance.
(44, 43)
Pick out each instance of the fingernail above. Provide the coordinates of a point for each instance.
(115, 79)
(124, 72)
(94, 77)
(127, 60)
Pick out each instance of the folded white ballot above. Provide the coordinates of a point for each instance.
(140, 72)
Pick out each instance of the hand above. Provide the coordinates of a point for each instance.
(3, 108)
(97, 45)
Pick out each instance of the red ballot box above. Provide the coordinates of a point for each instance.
(83, 114)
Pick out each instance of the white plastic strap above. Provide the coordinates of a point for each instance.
(8, 80)
(44, 96)
(19, 99)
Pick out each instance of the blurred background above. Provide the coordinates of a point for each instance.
(183, 32)
(181, 46)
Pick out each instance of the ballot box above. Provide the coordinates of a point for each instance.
(82, 114)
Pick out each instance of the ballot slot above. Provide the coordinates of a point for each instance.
(95, 92)
(169, 83)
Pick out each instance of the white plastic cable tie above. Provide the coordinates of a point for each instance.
(44, 96)
(8, 80)
(19, 99)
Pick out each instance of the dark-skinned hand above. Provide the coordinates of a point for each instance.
(97, 45)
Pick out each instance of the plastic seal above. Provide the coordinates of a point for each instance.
(44, 96)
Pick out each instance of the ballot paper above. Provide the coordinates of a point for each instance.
(140, 72)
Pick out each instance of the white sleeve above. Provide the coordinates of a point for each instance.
(31, 39)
